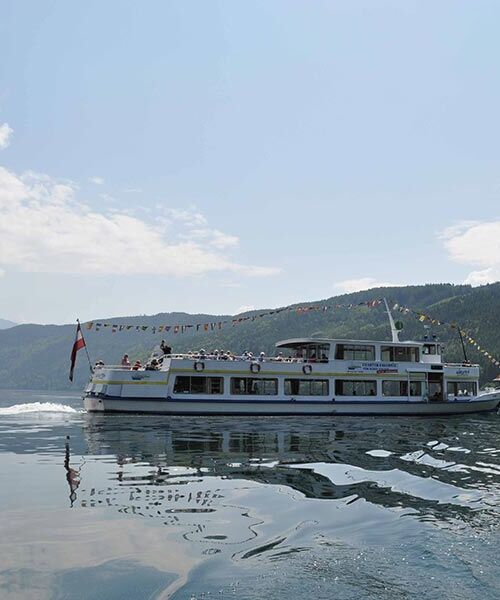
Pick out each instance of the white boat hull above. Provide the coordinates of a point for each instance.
(171, 406)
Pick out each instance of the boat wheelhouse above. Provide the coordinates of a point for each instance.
(308, 376)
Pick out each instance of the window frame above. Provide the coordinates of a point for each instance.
(410, 351)
(367, 349)
(339, 387)
(248, 381)
(208, 385)
(288, 386)
(456, 388)
(403, 387)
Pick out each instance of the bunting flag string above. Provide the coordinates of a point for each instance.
(213, 326)
(422, 317)
(299, 310)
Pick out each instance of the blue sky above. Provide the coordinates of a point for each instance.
(212, 156)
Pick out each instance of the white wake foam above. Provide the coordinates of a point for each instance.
(35, 407)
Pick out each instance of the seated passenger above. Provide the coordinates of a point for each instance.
(262, 357)
(280, 357)
(137, 365)
(125, 362)
(153, 365)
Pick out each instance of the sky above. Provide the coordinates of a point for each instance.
(213, 157)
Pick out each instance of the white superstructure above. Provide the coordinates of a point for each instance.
(309, 376)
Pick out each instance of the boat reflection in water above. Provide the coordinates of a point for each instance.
(219, 480)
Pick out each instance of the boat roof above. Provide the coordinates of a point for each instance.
(298, 341)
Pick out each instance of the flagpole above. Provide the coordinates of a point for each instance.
(462, 342)
(86, 349)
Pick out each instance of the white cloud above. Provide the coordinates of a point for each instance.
(349, 286)
(5, 133)
(196, 228)
(107, 197)
(476, 244)
(97, 180)
(231, 284)
(244, 309)
(44, 228)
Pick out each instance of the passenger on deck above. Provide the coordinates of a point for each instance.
(137, 365)
(262, 357)
(125, 362)
(280, 357)
(153, 365)
(165, 348)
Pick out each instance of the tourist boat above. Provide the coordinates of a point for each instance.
(310, 376)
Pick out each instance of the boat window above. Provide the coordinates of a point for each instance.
(400, 388)
(306, 387)
(354, 352)
(254, 386)
(198, 385)
(399, 354)
(461, 388)
(349, 387)
(429, 349)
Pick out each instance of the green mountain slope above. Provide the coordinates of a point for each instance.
(37, 356)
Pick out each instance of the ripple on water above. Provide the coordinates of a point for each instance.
(281, 508)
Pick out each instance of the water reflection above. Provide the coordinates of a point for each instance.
(171, 466)
(149, 507)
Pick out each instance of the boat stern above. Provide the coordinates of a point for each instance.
(93, 404)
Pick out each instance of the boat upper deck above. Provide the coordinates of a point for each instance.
(322, 355)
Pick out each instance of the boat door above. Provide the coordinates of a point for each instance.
(436, 387)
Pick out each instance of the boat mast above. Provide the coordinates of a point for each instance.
(394, 331)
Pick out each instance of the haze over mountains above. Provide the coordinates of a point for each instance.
(37, 356)
(5, 324)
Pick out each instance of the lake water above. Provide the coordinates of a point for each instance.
(142, 507)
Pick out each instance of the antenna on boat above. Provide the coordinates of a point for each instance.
(394, 329)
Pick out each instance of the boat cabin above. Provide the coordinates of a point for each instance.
(324, 350)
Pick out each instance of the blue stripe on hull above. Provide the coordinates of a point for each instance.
(252, 401)
(292, 406)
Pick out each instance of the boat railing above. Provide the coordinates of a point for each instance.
(233, 358)
(201, 358)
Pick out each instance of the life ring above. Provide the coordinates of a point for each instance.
(199, 366)
(307, 369)
(255, 368)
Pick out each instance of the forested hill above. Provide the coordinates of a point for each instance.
(37, 356)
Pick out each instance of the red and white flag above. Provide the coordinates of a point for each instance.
(78, 345)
